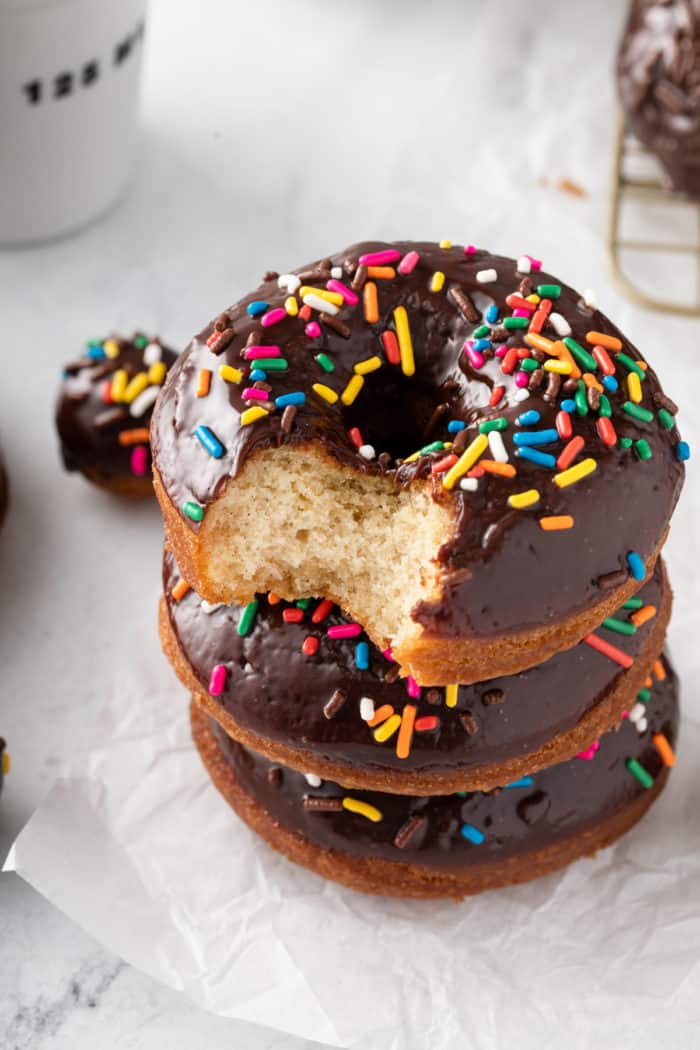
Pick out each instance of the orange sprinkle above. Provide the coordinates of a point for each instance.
(610, 342)
(664, 748)
(492, 466)
(369, 298)
(562, 351)
(203, 382)
(403, 741)
(590, 380)
(179, 590)
(381, 715)
(556, 522)
(647, 612)
(642, 364)
(540, 343)
(272, 598)
(659, 670)
(305, 312)
(648, 682)
(133, 437)
(381, 273)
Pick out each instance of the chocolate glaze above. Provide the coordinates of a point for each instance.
(89, 439)
(561, 802)
(3, 760)
(501, 570)
(658, 76)
(4, 491)
(276, 691)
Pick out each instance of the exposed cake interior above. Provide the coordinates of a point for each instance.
(297, 523)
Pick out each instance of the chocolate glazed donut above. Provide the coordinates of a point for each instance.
(468, 458)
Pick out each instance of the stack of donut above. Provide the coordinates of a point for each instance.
(414, 498)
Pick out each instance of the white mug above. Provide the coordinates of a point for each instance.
(69, 98)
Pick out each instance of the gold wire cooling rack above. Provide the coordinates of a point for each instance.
(643, 191)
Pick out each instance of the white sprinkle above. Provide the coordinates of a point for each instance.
(313, 780)
(152, 353)
(322, 305)
(498, 449)
(469, 484)
(336, 272)
(486, 276)
(367, 451)
(560, 324)
(143, 401)
(642, 725)
(524, 264)
(211, 607)
(590, 299)
(289, 281)
(366, 708)
(521, 395)
(637, 713)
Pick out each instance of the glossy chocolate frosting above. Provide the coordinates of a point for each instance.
(313, 701)
(658, 72)
(102, 429)
(501, 570)
(450, 831)
(4, 491)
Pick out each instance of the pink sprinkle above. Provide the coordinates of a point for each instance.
(589, 753)
(313, 329)
(521, 379)
(536, 264)
(501, 351)
(273, 317)
(412, 688)
(389, 255)
(475, 357)
(342, 289)
(519, 312)
(251, 393)
(251, 352)
(388, 655)
(217, 680)
(139, 461)
(344, 630)
(408, 263)
(469, 249)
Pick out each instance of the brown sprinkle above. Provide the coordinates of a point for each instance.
(410, 830)
(553, 385)
(274, 776)
(434, 696)
(319, 804)
(492, 697)
(223, 341)
(391, 673)
(335, 703)
(338, 326)
(222, 322)
(288, 418)
(470, 724)
(464, 304)
(612, 579)
(360, 278)
(109, 416)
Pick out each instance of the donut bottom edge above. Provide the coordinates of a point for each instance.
(129, 486)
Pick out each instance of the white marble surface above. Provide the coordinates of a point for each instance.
(271, 135)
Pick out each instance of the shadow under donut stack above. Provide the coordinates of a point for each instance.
(414, 498)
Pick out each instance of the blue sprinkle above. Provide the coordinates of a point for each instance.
(482, 344)
(96, 352)
(455, 425)
(258, 374)
(611, 384)
(523, 782)
(492, 313)
(298, 398)
(362, 656)
(568, 405)
(636, 565)
(472, 834)
(258, 307)
(536, 437)
(209, 441)
(683, 451)
(528, 419)
(543, 459)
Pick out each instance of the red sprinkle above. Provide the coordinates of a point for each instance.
(444, 464)
(516, 302)
(570, 451)
(606, 431)
(293, 615)
(540, 316)
(510, 361)
(564, 428)
(310, 646)
(523, 352)
(496, 395)
(106, 391)
(611, 651)
(356, 437)
(305, 312)
(391, 347)
(426, 723)
(603, 359)
(322, 610)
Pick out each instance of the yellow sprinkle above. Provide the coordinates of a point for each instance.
(252, 414)
(156, 373)
(437, 282)
(230, 374)
(634, 387)
(111, 347)
(387, 729)
(5, 763)
(412, 458)
(403, 335)
(291, 305)
(562, 368)
(363, 808)
(445, 244)
(370, 364)
(575, 473)
(451, 695)
(119, 381)
(135, 387)
(521, 500)
(352, 390)
(533, 298)
(466, 461)
(325, 392)
(331, 297)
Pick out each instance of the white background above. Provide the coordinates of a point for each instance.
(273, 134)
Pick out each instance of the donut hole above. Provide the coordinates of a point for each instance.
(394, 419)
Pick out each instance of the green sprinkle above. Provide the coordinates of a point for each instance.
(140, 341)
(481, 331)
(549, 291)
(271, 364)
(631, 365)
(633, 603)
(637, 412)
(604, 408)
(493, 424)
(666, 419)
(580, 399)
(247, 618)
(639, 772)
(644, 696)
(625, 442)
(193, 510)
(529, 365)
(516, 322)
(94, 343)
(619, 626)
(325, 362)
(303, 603)
(643, 448)
(461, 794)
(434, 446)
(581, 356)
